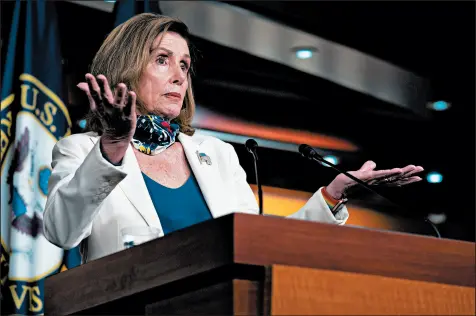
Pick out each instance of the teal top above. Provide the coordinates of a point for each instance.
(178, 208)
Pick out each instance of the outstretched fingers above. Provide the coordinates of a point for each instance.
(379, 175)
(85, 88)
(411, 170)
(404, 181)
(130, 107)
(106, 92)
(120, 96)
(94, 92)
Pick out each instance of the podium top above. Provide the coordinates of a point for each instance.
(243, 239)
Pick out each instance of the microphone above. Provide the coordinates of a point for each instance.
(251, 146)
(309, 152)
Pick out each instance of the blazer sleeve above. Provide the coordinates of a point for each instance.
(80, 181)
(315, 209)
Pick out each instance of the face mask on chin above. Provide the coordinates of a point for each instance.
(154, 134)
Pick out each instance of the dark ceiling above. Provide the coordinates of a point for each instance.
(433, 39)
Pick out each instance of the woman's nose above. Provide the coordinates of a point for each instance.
(179, 75)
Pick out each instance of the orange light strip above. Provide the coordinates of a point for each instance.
(284, 202)
(209, 120)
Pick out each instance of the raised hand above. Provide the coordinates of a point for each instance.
(395, 177)
(116, 112)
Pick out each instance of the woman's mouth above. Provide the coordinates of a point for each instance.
(173, 95)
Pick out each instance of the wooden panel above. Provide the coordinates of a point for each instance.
(210, 247)
(141, 268)
(265, 240)
(304, 291)
(237, 297)
(247, 297)
(214, 300)
(212, 292)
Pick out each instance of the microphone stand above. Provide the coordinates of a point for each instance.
(258, 183)
(251, 147)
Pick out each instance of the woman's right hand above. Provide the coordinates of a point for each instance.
(116, 112)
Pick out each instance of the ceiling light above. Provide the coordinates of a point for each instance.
(304, 52)
(434, 177)
(439, 105)
(332, 159)
(82, 124)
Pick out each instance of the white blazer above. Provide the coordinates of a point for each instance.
(90, 197)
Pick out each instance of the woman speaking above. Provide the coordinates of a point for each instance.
(141, 165)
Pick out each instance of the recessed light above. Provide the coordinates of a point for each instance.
(439, 105)
(304, 52)
(332, 159)
(82, 124)
(434, 177)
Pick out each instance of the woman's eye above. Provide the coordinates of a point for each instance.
(184, 66)
(161, 60)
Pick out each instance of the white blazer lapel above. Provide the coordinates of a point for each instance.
(207, 175)
(136, 191)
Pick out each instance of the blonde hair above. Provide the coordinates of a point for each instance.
(125, 53)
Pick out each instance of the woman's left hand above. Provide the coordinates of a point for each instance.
(396, 177)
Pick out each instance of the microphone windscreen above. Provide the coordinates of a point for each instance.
(307, 151)
(251, 144)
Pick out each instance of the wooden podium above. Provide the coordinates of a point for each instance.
(258, 265)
